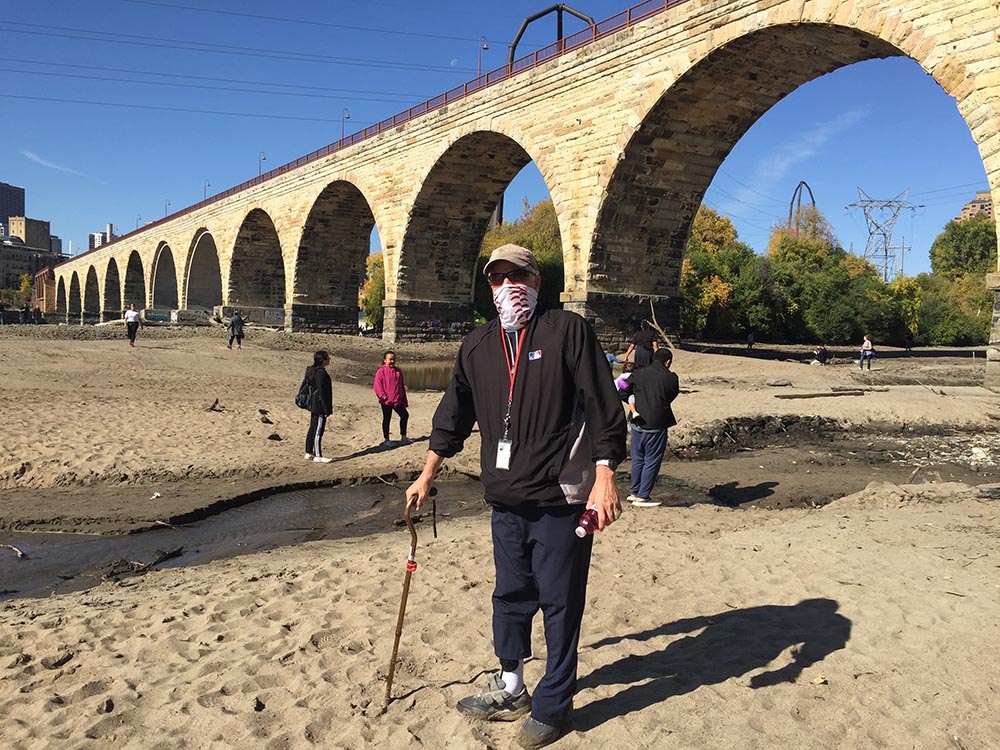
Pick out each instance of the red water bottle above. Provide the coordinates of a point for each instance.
(587, 523)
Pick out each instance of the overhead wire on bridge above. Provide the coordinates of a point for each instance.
(258, 92)
(175, 109)
(307, 22)
(106, 37)
(76, 66)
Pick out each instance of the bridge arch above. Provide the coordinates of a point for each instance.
(61, 308)
(202, 277)
(330, 263)
(112, 305)
(448, 220)
(92, 297)
(135, 282)
(75, 301)
(668, 162)
(164, 278)
(257, 269)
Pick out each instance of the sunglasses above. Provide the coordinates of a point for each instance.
(517, 276)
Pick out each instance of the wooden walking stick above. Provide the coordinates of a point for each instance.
(411, 565)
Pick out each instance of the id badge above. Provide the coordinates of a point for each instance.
(503, 454)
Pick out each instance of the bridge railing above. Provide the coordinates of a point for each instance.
(617, 22)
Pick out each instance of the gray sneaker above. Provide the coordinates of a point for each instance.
(494, 703)
(535, 734)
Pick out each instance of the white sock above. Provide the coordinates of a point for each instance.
(513, 682)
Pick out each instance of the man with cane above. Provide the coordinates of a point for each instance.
(552, 432)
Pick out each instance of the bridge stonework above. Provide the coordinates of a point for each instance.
(627, 131)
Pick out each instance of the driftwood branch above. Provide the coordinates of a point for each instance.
(819, 395)
(656, 326)
(13, 549)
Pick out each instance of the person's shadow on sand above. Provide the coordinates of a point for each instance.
(732, 494)
(730, 644)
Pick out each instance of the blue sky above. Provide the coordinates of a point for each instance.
(119, 110)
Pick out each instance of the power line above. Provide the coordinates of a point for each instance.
(738, 182)
(283, 19)
(77, 66)
(258, 92)
(224, 49)
(177, 109)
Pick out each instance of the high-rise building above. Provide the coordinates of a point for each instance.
(33, 232)
(55, 244)
(95, 239)
(11, 201)
(981, 204)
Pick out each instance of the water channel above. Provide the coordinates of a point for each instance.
(58, 563)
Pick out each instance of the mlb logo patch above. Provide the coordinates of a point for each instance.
(537, 354)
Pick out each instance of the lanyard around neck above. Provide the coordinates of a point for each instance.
(512, 374)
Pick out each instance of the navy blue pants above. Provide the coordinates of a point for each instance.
(647, 455)
(541, 564)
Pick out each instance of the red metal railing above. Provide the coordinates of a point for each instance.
(601, 29)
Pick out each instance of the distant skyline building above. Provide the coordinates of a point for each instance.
(55, 244)
(981, 204)
(33, 232)
(96, 239)
(11, 201)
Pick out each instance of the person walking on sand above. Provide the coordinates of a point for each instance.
(654, 388)
(320, 406)
(390, 390)
(132, 321)
(551, 433)
(235, 329)
(644, 343)
(867, 354)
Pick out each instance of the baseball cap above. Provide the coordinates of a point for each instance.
(519, 256)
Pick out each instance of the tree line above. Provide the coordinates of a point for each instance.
(805, 288)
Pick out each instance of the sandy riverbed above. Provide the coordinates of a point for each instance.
(869, 622)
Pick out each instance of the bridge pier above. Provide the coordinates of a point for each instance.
(108, 315)
(617, 316)
(88, 318)
(322, 319)
(423, 320)
(992, 380)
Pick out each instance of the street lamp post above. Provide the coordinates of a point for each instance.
(138, 220)
(479, 66)
(166, 208)
(260, 163)
(344, 117)
(207, 186)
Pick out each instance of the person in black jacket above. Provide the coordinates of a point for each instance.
(236, 330)
(320, 406)
(654, 388)
(552, 432)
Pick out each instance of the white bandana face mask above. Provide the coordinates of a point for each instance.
(516, 304)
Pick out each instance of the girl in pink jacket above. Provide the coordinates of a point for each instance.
(391, 393)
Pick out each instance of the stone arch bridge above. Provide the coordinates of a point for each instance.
(627, 121)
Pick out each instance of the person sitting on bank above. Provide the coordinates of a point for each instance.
(820, 355)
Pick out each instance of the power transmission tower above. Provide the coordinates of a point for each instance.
(881, 216)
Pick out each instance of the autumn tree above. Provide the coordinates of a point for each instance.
(373, 290)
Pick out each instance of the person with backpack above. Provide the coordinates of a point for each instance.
(316, 395)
